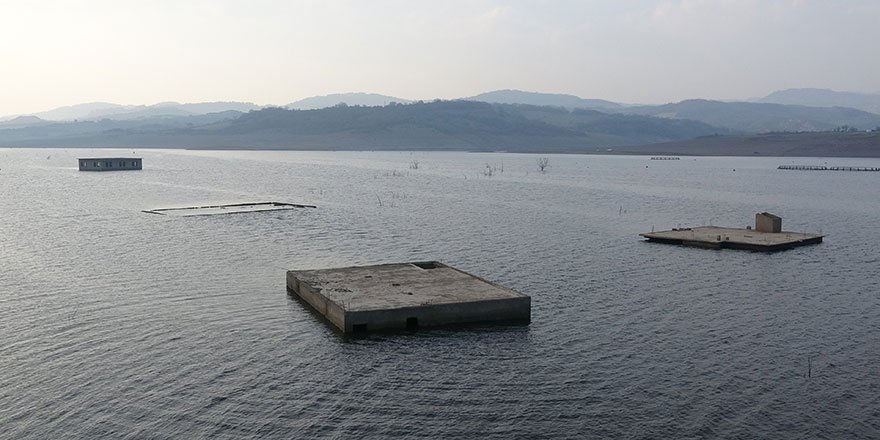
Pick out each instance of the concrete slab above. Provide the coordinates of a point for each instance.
(734, 238)
(405, 295)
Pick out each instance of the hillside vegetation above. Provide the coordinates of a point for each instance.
(460, 125)
(751, 117)
(464, 126)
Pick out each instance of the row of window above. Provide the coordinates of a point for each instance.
(109, 164)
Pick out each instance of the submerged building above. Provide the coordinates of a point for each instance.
(110, 163)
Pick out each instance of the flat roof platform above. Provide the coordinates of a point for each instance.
(733, 238)
(233, 208)
(405, 296)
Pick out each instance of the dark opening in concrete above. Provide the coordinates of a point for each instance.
(359, 328)
(412, 323)
(426, 264)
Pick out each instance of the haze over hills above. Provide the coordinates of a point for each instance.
(459, 125)
(802, 97)
(869, 102)
(363, 99)
(80, 111)
(106, 110)
(21, 121)
(66, 133)
(370, 121)
(750, 117)
(541, 99)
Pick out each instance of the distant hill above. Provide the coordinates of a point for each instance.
(106, 110)
(638, 129)
(825, 98)
(81, 111)
(826, 144)
(22, 121)
(203, 108)
(67, 133)
(139, 112)
(750, 117)
(543, 99)
(441, 125)
(363, 99)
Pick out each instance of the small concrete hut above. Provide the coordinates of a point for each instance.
(766, 222)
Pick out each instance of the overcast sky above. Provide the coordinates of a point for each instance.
(58, 53)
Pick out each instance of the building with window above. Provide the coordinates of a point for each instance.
(110, 163)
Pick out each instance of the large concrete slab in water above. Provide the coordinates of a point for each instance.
(735, 238)
(405, 295)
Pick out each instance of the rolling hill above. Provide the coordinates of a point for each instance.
(751, 117)
(445, 125)
(352, 99)
(868, 102)
(544, 99)
(94, 111)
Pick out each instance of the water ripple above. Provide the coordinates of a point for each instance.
(119, 324)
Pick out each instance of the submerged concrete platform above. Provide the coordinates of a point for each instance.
(405, 295)
(734, 238)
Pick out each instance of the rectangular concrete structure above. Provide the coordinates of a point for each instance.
(766, 222)
(734, 238)
(405, 295)
(110, 163)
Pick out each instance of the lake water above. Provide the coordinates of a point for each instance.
(119, 324)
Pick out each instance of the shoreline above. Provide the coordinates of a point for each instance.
(808, 144)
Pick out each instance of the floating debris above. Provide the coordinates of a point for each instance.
(232, 208)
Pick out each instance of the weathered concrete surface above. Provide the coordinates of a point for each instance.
(735, 238)
(766, 222)
(422, 294)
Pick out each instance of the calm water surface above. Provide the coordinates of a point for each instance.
(120, 324)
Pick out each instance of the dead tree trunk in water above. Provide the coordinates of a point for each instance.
(542, 163)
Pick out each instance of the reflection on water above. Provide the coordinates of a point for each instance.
(118, 323)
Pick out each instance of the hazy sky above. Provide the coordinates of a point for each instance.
(58, 53)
